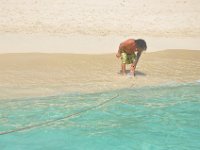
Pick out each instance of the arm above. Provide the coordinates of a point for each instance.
(133, 66)
(137, 59)
(120, 50)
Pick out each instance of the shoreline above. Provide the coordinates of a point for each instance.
(41, 74)
(164, 84)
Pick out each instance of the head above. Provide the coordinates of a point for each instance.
(141, 45)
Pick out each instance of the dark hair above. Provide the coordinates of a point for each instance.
(141, 44)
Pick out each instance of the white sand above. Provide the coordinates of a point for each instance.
(93, 26)
(85, 44)
(162, 18)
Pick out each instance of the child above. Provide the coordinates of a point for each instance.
(130, 52)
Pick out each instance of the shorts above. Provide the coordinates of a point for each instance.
(128, 58)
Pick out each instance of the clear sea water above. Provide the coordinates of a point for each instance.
(148, 118)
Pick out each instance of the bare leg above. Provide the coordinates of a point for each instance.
(123, 69)
(132, 69)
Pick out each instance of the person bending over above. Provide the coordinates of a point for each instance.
(130, 52)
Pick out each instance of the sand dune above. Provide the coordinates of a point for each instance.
(38, 74)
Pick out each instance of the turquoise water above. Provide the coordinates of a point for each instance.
(148, 118)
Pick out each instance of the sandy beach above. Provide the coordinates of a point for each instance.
(60, 81)
(50, 47)
(160, 18)
(39, 74)
(92, 26)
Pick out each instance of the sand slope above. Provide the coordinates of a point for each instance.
(38, 74)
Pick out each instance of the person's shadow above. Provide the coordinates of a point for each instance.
(137, 73)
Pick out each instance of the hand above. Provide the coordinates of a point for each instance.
(133, 66)
(118, 55)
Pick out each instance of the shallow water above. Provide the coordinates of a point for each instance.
(162, 117)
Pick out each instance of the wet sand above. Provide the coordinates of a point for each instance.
(39, 74)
